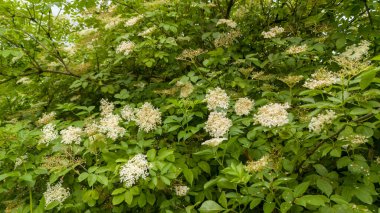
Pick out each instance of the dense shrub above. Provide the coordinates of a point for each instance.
(189, 106)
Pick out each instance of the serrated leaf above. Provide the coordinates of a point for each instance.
(128, 197)
(118, 191)
(116, 200)
(204, 166)
(269, 207)
(364, 196)
(102, 179)
(91, 179)
(321, 170)
(210, 206)
(325, 186)
(285, 206)
(223, 200)
(255, 202)
(300, 189)
(82, 176)
(188, 175)
(316, 200)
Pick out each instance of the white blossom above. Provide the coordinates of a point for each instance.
(181, 190)
(49, 133)
(257, 166)
(218, 124)
(318, 123)
(127, 113)
(71, 134)
(227, 22)
(296, 49)
(321, 78)
(147, 117)
(243, 106)
(106, 107)
(147, 31)
(46, 118)
(132, 21)
(214, 142)
(20, 160)
(136, 168)
(217, 98)
(273, 32)
(109, 125)
(125, 47)
(56, 193)
(272, 115)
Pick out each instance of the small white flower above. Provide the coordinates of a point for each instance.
(217, 98)
(49, 134)
(136, 168)
(71, 134)
(272, 115)
(214, 142)
(218, 124)
(181, 191)
(243, 106)
(127, 113)
(56, 193)
(126, 47)
(147, 117)
(273, 32)
(318, 123)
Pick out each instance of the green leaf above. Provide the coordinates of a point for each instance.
(269, 207)
(188, 175)
(118, 191)
(142, 200)
(255, 202)
(251, 134)
(223, 200)
(340, 43)
(300, 189)
(367, 77)
(338, 199)
(321, 170)
(363, 195)
(116, 200)
(285, 206)
(52, 205)
(316, 200)
(82, 176)
(376, 58)
(102, 179)
(325, 186)
(210, 206)
(204, 166)
(343, 162)
(128, 197)
(91, 179)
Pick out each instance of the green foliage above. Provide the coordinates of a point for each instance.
(67, 56)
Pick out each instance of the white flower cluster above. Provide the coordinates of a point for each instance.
(71, 134)
(257, 166)
(227, 22)
(127, 113)
(296, 49)
(147, 117)
(132, 21)
(135, 168)
(218, 124)
(217, 98)
(112, 22)
(273, 32)
(56, 193)
(214, 142)
(186, 89)
(181, 191)
(243, 106)
(317, 123)
(147, 31)
(106, 107)
(126, 47)
(356, 52)
(321, 78)
(355, 140)
(49, 133)
(20, 160)
(24, 80)
(272, 115)
(109, 125)
(46, 118)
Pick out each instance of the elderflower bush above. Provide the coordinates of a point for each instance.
(175, 106)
